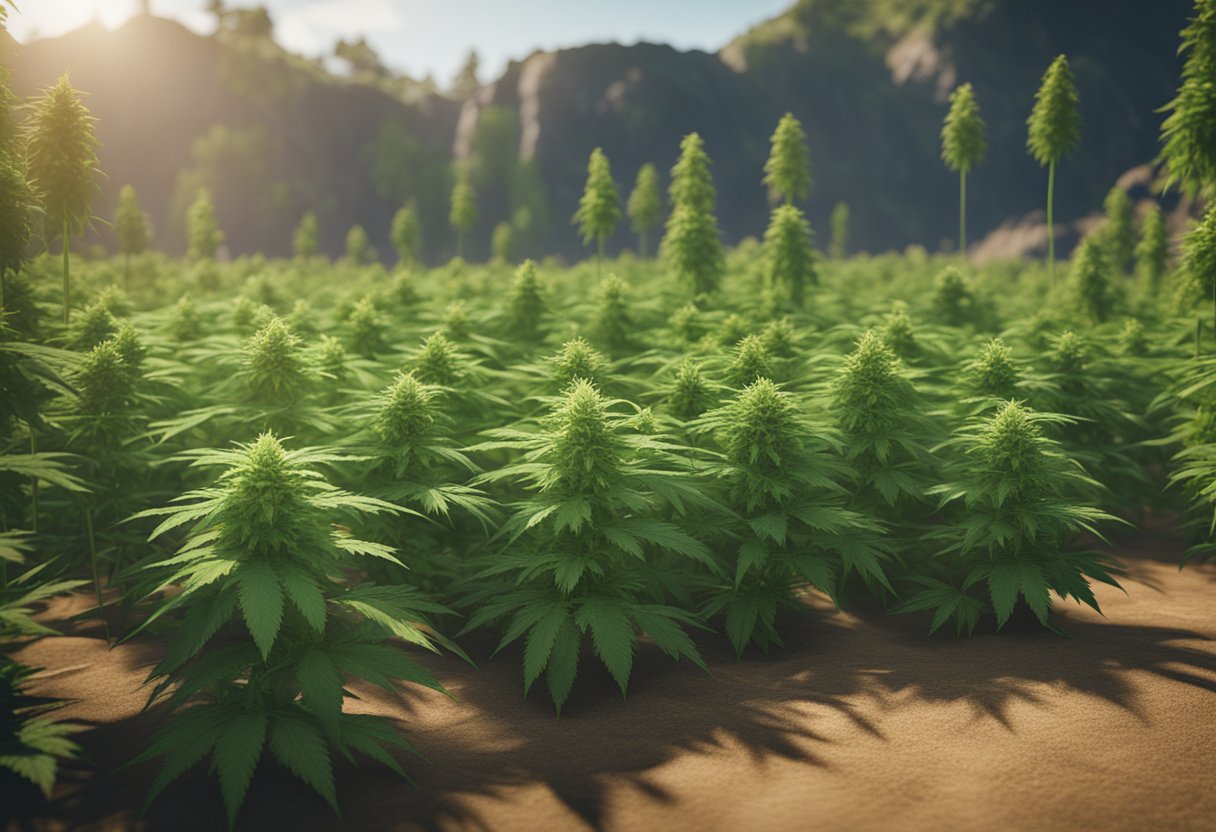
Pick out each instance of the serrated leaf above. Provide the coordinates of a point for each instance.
(237, 751)
(261, 599)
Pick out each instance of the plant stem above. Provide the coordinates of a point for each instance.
(101, 604)
(67, 290)
(1198, 336)
(1051, 233)
(599, 257)
(126, 272)
(962, 214)
(33, 483)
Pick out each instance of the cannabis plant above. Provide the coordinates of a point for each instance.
(963, 147)
(883, 427)
(691, 244)
(463, 214)
(18, 209)
(838, 247)
(1188, 134)
(1054, 130)
(270, 637)
(405, 233)
(133, 229)
(790, 258)
(1014, 537)
(526, 308)
(1118, 232)
(613, 324)
(1090, 289)
(62, 152)
(794, 531)
(787, 172)
(202, 230)
(32, 745)
(359, 251)
(1199, 256)
(599, 209)
(645, 206)
(305, 242)
(1153, 250)
(576, 553)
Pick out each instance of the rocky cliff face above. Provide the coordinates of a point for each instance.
(868, 79)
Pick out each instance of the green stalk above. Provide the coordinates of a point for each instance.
(460, 244)
(642, 244)
(101, 604)
(1051, 235)
(599, 257)
(67, 290)
(962, 213)
(33, 483)
(126, 272)
(1198, 336)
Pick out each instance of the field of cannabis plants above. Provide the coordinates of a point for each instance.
(286, 483)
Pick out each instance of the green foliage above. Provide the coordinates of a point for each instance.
(613, 321)
(263, 548)
(366, 329)
(790, 257)
(132, 226)
(1153, 249)
(18, 209)
(305, 240)
(502, 242)
(1015, 534)
(32, 745)
(692, 245)
(1188, 134)
(578, 545)
(880, 418)
(793, 530)
(203, 231)
(787, 172)
(963, 140)
(1199, 254)
(1118, 233)
(599, 209)
(1054, 122)
(839, 224)
(526, 308)
(62, 153)
(645, 206)
(1089, 281)
(358, 248)
(463, 213)
(406, 235)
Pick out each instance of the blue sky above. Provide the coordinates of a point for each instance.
(421, 36)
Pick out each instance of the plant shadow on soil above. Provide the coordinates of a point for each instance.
(835, 673)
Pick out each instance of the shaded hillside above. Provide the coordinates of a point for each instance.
(275, 135)
(269, 135)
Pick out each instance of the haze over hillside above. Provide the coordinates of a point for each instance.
(274, 135)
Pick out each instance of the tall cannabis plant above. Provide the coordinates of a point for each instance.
(599, 209)
(62, 151)
(787, 172)
(1199, 256)
(578, 549)
(645, 206)
(132, 227)
(202, 230)
(839, 223)
(1188, 134)
(963, 147)
(691, 243)
(526, 308)
(1054, 130)
(405, 233)
(1153, 249)
(1014, 537)
(463, 213)
(794, 530)
(305, 240)
(270, 637)
(1118, 232)
(789, 255)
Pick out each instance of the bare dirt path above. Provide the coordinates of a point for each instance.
(861, 723)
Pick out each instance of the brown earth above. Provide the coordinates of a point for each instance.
(860, 723)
